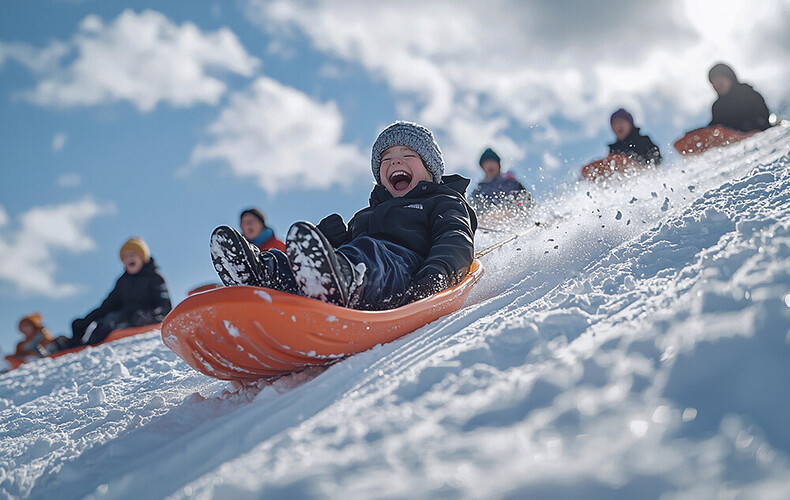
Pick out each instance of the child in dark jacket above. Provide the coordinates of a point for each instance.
(498, 189)
(414, 239)
(139, 298)
(630, 142)
(739, 106)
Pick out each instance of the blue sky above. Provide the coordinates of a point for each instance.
(166, 119)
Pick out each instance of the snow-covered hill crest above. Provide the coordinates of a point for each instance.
(637, 348)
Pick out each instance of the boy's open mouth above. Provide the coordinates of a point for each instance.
(400, 179)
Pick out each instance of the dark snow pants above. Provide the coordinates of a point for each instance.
(118, 320)
(277, 271)
(105, 325)
(389, 269)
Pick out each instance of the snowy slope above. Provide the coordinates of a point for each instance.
(638, 348)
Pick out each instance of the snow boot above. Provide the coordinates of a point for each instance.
(239, 262)
(235, 259)
(320, 271)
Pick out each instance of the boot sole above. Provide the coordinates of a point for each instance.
(314, 267)
(232, 258)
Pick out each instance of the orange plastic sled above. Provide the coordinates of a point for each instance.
(612, 164)
(700, 140)
(248, 333)
(17, 361)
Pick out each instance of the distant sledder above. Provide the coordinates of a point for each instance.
(254, 228)
(140, 297)
(739, 112)
(630, 154)
(35, 342)
(499, 199)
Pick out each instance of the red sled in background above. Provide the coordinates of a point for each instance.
(249, 333)
(613, 164)
(700, 140)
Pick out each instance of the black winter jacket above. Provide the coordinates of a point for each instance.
(144, 291)
(433, 220)
(637, 147)
(742, 108)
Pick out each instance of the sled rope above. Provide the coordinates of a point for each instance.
(507, 240)
(487, 250)
(490, 229)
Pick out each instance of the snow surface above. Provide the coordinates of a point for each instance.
(637, 348)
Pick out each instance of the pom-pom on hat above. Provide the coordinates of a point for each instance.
(415, 137)
(489, 154)
(625, 115)
(138, 246)
(35, 319)
(721, 69)
(257, 213)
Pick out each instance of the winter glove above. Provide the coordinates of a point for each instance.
(334, 229)
(428, 281)
(142, 317)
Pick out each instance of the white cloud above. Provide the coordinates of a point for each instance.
(283, 139)
(141, 58)
(467, 134)
(69, 180)
(36, 60)
(28, 255)
(550, 161)
(545, 63)
(58, 142)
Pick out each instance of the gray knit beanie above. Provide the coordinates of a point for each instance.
(415, 137)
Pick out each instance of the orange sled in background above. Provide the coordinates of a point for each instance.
(700, 140)
(17, 361)
(248, 333)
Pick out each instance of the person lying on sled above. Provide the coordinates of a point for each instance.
(498, 189)
(739, 106)
(37, 337)
(140, 297)
(254, 228)
(630, 142)
(415, 238)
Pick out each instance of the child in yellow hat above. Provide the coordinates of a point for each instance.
(140, 297)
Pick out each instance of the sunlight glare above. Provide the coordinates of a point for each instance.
(714, 19)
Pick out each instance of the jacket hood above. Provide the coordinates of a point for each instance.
(722, 69)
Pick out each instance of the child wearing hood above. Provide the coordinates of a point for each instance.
(630, 142)
(739, 106)
(140, 297)
(415, 238)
